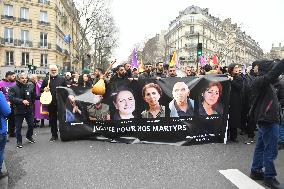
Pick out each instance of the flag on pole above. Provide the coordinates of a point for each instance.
(203, 61)
(141, 67)
(215, 59)
(134, 63)
(173, 60)
(67, 38)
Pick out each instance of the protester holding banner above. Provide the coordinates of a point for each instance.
(160, 71)
(172, 72)
(265, 111)
(22, 97)
(124, 102)
(151, 94)
(55, 81)
(5, 110)
(210, 97)
(181, 105)
(235, 101)
(147, 72)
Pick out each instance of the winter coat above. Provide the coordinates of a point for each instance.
(235, 102)
(19, 93)
(5, 110)
(266, 107)
(55, 81)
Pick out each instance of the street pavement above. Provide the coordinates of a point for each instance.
(94, 164)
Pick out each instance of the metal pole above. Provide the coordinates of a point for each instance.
(70, 55)
(197, 58)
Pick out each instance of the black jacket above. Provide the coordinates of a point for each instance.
(21, 92)
(265, 107)
(55, 81)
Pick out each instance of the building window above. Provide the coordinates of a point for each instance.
(43, 16)
(191, 19)
(9, 58)
(8, 10)
(8, 35)
(43, 60)
(24, 36)
(43, 39)
(24, 13)
(44, 1)
(191, 31)
(25, 59)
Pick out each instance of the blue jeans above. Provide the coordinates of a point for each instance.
(3, 140)
(19, 122)
(281, 133)
(266, 149)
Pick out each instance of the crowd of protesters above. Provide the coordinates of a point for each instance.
(22, 93)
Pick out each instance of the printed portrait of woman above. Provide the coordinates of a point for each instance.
(124, 103)
(73, 113)
(151, 94)
(210, 99)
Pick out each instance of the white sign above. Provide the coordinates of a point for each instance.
(39, 71)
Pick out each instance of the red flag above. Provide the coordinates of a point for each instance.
(215, 59)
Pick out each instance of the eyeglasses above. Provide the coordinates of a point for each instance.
(171, 70)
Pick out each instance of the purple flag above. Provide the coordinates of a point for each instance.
(202, 61)
(134, 63)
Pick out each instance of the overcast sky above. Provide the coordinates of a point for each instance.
(140, 19)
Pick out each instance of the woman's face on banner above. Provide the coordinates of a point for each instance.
(152, 96)
(211, 95)
(125, 102)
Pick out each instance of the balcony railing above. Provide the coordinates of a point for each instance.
(25, 43)
(44, 46)
(6, 17)
(44, 23)
(58, 48)
(9, 41)
(46, 2)
(25, 20)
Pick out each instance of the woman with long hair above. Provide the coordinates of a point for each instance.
(210, 100)
(151, 94)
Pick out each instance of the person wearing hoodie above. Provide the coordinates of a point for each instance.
(22, 96)
(5, 110)
(265, 110)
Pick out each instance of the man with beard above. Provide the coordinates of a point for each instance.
(127, 68)
(97, 75)
(147, 74)
(5, 85)
(172, 71)
(160, 71)
(22, 96)
(120, 74)
(181, 105)
(55, 81)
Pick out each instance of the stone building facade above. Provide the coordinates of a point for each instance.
(32, 32)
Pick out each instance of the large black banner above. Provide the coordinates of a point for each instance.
(178, 111)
